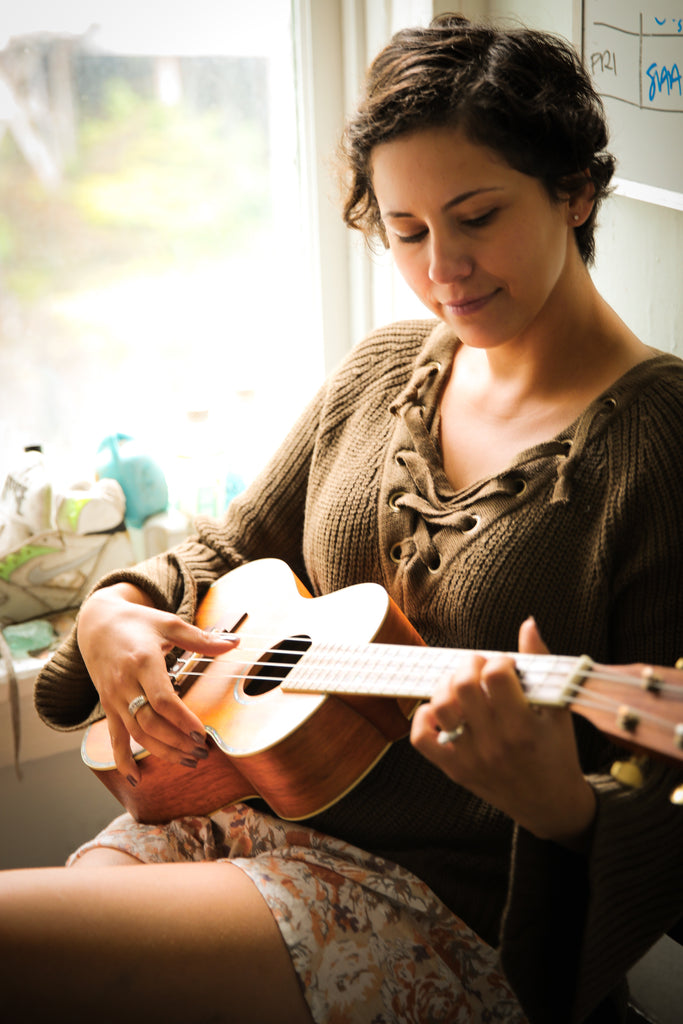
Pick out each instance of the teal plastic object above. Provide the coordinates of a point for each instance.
(120, 457)
(26, 638)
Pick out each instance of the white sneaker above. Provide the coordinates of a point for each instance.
(53, 571)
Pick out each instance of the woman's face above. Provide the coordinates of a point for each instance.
(482, 245)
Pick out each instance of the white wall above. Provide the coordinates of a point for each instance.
(639, 245)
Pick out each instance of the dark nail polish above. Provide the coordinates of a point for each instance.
(189, 762)
(132, 781)
(200, 753)
(198, 738)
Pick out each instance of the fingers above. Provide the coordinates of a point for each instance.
(454, 707)
(480, 701)
(148, 727)
(124, 642)
(164, 725)
(495, 727)
(175, 632)
(153, 728)
(530, 640)
(480, 691)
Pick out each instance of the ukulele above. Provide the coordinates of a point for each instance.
(319, 688)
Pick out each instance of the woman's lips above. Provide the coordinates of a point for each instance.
(465, 307)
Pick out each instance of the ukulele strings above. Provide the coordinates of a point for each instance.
(571, 692)
(637, 682)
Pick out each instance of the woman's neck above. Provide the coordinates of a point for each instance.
(575, 349)
(501, 401)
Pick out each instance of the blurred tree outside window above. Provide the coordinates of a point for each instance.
(153, 263)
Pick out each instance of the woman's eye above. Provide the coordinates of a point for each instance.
(416, 237)
(482, 220)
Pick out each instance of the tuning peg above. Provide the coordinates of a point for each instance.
(652, 682)
(629, 773)
(679, 663)
(677, 796)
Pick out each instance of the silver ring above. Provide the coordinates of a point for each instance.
(452, 735)
(137, 703)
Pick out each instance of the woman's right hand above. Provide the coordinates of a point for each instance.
(124, 641)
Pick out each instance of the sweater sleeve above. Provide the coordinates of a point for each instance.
(266, 521)
(588, 920)
(612, 905)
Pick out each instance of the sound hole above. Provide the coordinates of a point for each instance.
(276, 665)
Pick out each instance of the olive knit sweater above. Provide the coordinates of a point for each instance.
(584, 531)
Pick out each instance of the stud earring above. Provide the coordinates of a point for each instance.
(576, 216)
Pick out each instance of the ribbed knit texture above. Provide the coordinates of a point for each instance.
(584, 531)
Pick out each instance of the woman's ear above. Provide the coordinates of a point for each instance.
(580, 202)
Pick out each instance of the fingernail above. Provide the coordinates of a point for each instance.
(222, 635)
(188, 762)
(532, 619)
(132, 780)
(198, 738)
(201, 753)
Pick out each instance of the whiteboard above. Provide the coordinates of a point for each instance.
(633, 50)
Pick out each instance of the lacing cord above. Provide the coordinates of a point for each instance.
(15, 713)
(574, 447)
(410, 396)
(424, 466)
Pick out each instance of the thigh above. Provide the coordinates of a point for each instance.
(182, 942)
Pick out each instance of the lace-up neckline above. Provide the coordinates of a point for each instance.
(417, 479)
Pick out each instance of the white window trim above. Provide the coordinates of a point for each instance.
(335, 40)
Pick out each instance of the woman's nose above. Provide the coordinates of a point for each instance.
(449, 260)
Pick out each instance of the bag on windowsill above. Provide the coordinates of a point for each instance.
(56, 544)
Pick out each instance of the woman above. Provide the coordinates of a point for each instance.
(518, 454)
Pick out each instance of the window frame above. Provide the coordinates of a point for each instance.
(335, 41)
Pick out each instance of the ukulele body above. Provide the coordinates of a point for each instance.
(299, 752)
(300, 728)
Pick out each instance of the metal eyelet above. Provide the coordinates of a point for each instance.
(433, 365)
(393, 498)
(436, 566)
(520, 485)
(609, 402)
(470, 524)
(395, 553)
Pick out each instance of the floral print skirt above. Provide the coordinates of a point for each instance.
(370, 942)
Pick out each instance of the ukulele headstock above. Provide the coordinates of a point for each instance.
(637, 707)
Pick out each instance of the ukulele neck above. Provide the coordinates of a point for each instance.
(396, 670)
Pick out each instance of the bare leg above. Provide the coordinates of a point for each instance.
(193, 943)
(104, 856)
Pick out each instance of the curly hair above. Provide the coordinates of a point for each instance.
(522, 93)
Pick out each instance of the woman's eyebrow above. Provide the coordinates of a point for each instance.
(455, 201)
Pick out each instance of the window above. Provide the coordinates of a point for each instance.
(173, 265)
(155, 274)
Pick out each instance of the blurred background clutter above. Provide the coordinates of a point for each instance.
(155, 270)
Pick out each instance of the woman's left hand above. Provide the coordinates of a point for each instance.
(521, 759)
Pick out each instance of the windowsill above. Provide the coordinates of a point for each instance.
(37, 739)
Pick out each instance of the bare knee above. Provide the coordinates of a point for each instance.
(104, 856)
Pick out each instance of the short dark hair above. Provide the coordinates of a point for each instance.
(523, 93)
